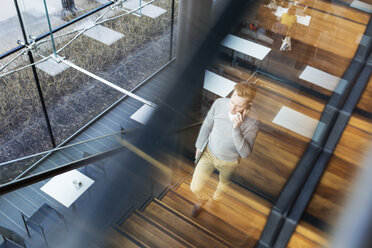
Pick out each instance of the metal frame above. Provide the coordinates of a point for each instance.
(128, 93)
(37, 82)
(6, 54)
(27, 220)
(171, 35)
(94, 120)
(6, 240)
(51, 32)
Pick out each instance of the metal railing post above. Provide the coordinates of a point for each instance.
(171, 34)
(31, 58)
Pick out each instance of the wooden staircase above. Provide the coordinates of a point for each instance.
(237, 220)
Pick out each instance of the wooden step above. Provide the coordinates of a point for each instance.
(150, 234)
(239, 193)
(235, 196)
(174, 221)
(229, 209)
(114, 239)
(206, 219)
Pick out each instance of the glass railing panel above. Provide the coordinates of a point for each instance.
(37, 13)
(118, 48)
(81, 147)
(89, 199)
(34, 18)
(335, 186)
(39, 161)
(73, 99)
(72, 9)
(288, 119)
(23, 126)
(142, 43)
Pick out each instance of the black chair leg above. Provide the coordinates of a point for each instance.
(24, 222)
(46, 242)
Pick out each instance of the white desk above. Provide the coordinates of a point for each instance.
(296, 122)
(63, 190)
(361, 6)
(245, 46)
(143, 114)
(323, 79)
(218, 85)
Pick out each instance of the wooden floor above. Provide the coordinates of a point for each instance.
(328, 43)
(336, 31)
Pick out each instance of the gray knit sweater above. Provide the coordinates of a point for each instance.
(224, 141)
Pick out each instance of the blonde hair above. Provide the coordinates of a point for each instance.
(245, 90)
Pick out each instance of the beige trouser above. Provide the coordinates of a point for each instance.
(206, 165)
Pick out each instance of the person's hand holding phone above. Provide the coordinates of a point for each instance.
(238, 118)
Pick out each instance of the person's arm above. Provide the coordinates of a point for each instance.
(244, 141)
(206, 128)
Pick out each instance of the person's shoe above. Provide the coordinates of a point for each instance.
(196, 210)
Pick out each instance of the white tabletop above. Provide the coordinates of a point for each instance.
(296, 122)
(218, 85)
(143, 114)
(362, 6)
(245, 46)
(63, 190)
(322, 79)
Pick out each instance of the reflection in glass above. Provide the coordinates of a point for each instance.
(23, 128)
(118, 48)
